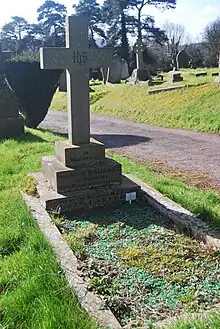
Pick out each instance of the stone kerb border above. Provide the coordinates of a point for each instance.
(173, 88)
(185, 222)
(69, 263)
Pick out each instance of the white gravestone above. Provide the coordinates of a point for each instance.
(77, 58)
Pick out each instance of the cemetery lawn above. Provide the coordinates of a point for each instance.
(195, 108)
(33, 291)
(143, 269)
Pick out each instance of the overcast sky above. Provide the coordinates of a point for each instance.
(193, 14)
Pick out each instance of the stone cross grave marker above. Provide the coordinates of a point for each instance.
(77, 58)
(139, 48)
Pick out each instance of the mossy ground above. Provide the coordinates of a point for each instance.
(142, 267)
(195, 108)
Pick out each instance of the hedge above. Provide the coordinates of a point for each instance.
(33, 87)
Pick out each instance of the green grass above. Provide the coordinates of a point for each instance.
(205, 203)
(33, 291)
(195, 108)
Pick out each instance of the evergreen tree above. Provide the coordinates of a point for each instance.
(52, 16)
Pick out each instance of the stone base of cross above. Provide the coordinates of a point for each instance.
(79, 177)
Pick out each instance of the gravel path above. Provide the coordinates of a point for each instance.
(180, 149)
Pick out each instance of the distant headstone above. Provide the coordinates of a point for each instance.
(11, 123)
(201, 74)
(182, 60)
(115, 70)
(125, 70)
(215, 74)
(141, 73)
(175, 76)
(63, 82)
(79, 177)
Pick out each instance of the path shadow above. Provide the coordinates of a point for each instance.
(117, 141)
(111, 140)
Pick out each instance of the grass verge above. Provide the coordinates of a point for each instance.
(33, 291)
(195, 108)
(202, 202)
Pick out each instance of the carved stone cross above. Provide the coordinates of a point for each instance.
(77, 58)
(139, 48)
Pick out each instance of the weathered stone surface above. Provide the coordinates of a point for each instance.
(11, 127)
(74, 155)
(77, 58)
(9, 105)
(84, 199)
(79, 177)
(125, 71)
(66, 180)
(115, 70)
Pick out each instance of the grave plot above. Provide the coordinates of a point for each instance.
(141, 267)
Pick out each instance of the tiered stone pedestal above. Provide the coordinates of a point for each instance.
(80, 178)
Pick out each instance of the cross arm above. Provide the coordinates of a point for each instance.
(54, 58)
(100, 57)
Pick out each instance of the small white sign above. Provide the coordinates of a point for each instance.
(131, 196)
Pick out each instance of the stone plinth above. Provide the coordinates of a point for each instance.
(74, 155)
(66, 180)
(11, 127)
(201, 74)
(84, 200)
(176, 76)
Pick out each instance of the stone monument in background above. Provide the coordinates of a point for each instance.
(11, 122)
(79, 177)
(182, 60)
(141, 73)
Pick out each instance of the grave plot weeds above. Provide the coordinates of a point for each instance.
(142, 268)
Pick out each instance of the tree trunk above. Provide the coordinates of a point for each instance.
(124, 39)
(139, 25)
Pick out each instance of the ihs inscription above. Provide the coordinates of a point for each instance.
(80, 57)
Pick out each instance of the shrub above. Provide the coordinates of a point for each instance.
(34, 87)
